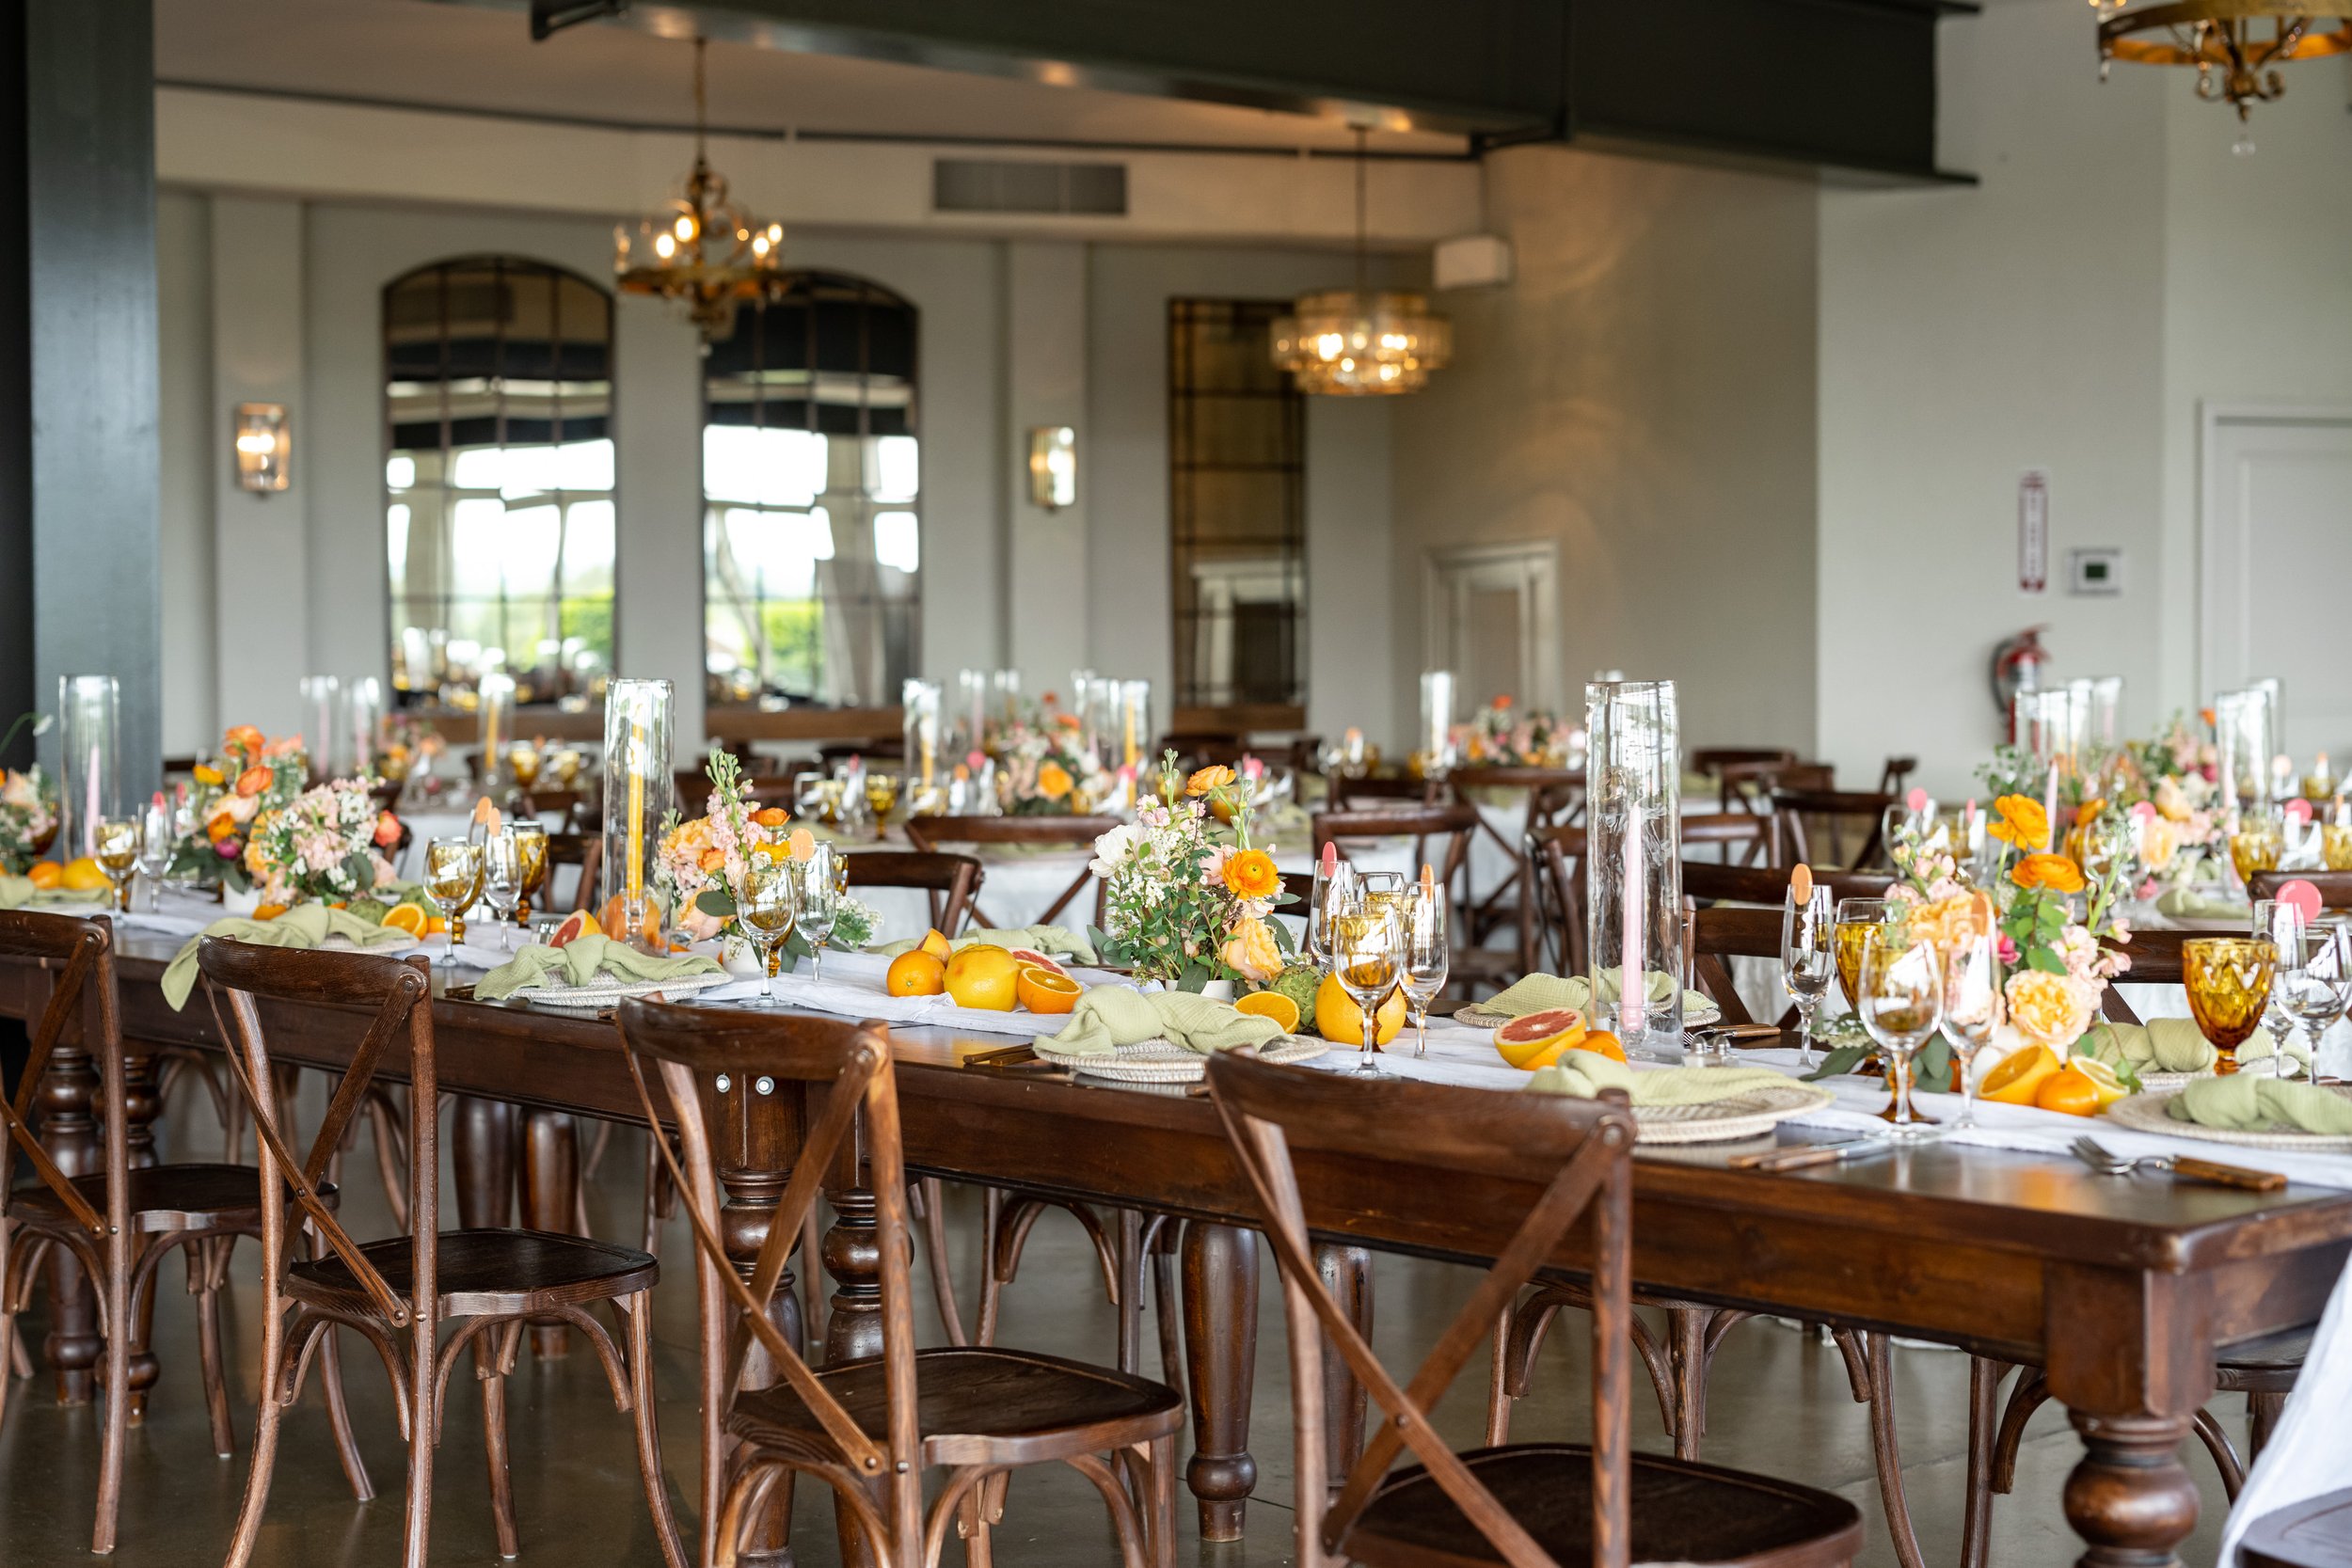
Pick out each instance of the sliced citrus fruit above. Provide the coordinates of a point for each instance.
(1031, 956)
(406, 917)
(2016, 1077)
(1274, 1004)
(268, 912)
(1045, 990)
(1604, 1043)
(1539, 1039)
(936, 945)
(612, 920)
(580, 924)
(437, 926)
(46, 874)
(84, 874)
(984, 977)
(2069, 1089)
(2103, 1078)
(1339, 1019)
(914, 974)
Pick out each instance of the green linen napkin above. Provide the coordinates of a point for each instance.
(1055, 941)
(17, 892)
(1108, 1016)
(2159, 1045)
(2188, 903)
(1538, 993)
(1584, 1073)
(304, 925)
(579, 962)
(2244, 1104)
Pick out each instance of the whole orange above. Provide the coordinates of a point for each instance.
(914, 974)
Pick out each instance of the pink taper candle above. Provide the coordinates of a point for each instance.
(90, 818)
(2049, 808)
(1632, 975)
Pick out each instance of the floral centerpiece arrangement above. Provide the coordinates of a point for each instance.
(1044, 768)
(1502, 735)
(1188, 895)
(246, 778)
(28, 806)
(2167, 784)
(700, 863)
(327, 844)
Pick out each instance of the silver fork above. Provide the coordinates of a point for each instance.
(2092, 1152)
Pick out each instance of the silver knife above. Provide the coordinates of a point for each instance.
(1805, 1156)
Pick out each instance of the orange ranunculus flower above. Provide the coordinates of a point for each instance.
(1503, 699)
(772, 817)
(244, 738)
(1053, 780)
(712, 860)
(253, 780)
(2023, 822)
(2059, 873)
(207, 774)
(1251, 873)
(1215, 776)
(1252, 951)
(221, 827)
(1067, 720)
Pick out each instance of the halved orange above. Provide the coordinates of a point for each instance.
(1273, 1004)
(407, 918)
(268, 912)
(1042, 990)
(46, 874)
(2016, 1078)
(2069, 1089)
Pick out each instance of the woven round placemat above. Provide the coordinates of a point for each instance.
(1165, 1062)
(2146, 1113)
(1740, 1116)
(1476, 1017)
(619, 991)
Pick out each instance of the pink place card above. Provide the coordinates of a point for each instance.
(2303, 895)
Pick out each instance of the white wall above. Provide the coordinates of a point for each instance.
(1643, 393)
(1967, 335)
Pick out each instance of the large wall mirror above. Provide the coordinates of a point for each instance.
(812, 539)
(498, 516)
(1238, 519)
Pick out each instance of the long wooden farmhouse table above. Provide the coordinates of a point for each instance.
(2122, 1289)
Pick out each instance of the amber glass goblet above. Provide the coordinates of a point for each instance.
(2227, 981)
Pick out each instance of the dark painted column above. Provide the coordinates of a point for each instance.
(80, 583)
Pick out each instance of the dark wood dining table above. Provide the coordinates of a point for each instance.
(2122, 1289)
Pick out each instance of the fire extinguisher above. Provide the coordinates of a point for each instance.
(2018, 664)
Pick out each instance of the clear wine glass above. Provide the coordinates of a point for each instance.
(2281, 926)
(1331, 890)
(157, 840)
(502, 881)
(820, 906)
(1426, 956)
(769, 908)
(1974, 1006)
(1367, 957)
(1901, 1004)
(1808, 956)
(2311, 982)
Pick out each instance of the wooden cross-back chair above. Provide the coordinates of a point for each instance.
(1744, 775)
(1552, 794)
(2155, 961)
(1736, 913)
(953, 882)
(1769, 884)
(1342, 791)
(869, 1428)
(116, 1222)
(395, 1293)
(584, 853)
(2335, 887)
(1046, 832)
(1528, 1505)
(1554, 939)
(1856, 816)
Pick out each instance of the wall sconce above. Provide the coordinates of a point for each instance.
(1054, 466)
(264, 443)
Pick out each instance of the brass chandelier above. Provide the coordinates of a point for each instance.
(1354, 342)
(2236, 45)
(703, 250)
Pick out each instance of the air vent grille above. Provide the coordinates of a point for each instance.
(1000, 186)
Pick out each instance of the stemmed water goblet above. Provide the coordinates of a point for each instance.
(1901, 1004)
(821, 903)
(1335, 884)
(1807, 954)
(1367, 957)
(1973, 1002)
(157, 840)
(452, 874)
(2311, 980)
(1427, 955)
(502, 881)
(2227, 981)
(769, 910)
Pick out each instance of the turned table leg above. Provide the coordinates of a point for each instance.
(1220, 1274)
(1347, 1275)
(2131, 1499)
(550, 1170)
(71, 1133)
(2131, 1358)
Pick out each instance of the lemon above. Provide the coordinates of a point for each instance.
(84, 876)
(2102, 1079)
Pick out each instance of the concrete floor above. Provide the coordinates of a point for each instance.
(1780, 1405)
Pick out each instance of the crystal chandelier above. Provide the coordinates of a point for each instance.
(1349, 343)
(2234, 44)
(704, 249)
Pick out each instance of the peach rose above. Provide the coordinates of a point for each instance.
(2171, 802)
(2051, 1009)
(1950, 922)
(1250, 951)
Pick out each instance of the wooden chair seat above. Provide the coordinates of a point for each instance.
(2315, 1533)
(2263, 1366)
(1683, 1512)
(161, 1197)
(484, 1272)
(978, 1405)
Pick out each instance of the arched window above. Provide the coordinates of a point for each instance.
(812, 545)
(497, 473)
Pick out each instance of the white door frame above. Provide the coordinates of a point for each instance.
(1539, 633)
(2212, 418)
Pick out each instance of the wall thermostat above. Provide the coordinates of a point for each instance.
(2094, 572)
